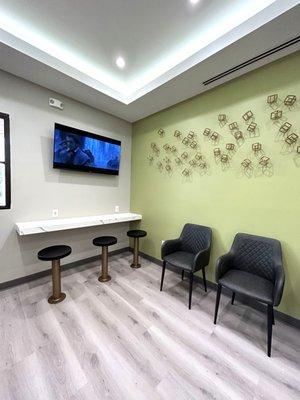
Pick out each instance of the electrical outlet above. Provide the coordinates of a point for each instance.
(55, 213)
(117, 209)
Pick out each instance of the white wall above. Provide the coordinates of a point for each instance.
(37, 188)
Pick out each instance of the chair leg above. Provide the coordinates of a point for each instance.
(270, 327)
(182, 274)
(204, 279)
(217, 302)
(273, 318)
(162, 275)
(232, 298)
(191, 289)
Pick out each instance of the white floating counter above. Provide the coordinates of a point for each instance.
(53, 225)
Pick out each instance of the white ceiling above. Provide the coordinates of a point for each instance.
(71, 46)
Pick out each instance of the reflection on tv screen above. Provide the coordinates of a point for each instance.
(78, 150)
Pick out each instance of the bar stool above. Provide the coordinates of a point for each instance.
(104, 241)
(136, 234)
(55, 254)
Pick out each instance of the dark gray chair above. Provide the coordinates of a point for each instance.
(253, 267)
(190, 252)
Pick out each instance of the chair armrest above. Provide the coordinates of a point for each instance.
(170, 246)
(201, 259)
(279, 283)
(223, 265)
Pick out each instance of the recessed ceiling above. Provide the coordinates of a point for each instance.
(159, 40)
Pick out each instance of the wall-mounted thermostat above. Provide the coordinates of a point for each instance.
(56, 103)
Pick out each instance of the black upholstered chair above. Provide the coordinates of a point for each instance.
(190, 253)
(55, 254)
(253, 267)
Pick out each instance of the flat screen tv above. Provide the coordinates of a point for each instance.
(84, 151)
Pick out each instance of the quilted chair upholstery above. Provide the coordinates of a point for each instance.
(253, 267)
(190, 253)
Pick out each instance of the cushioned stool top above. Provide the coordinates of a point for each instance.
(54, 252)
(105, 241)
(136, 233)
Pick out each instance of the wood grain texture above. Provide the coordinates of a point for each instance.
(125, 340)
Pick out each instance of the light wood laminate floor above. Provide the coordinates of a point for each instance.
(125, 340)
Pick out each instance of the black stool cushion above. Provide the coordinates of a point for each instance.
(105, 241)
(54, 252)
(136, 233)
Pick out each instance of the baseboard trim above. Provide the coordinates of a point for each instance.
(38, 275)
(212, 285)
(245, 300)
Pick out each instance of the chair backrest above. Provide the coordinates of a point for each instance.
(256, 254)
(195, 238)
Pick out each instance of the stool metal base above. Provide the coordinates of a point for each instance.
(55, 300)
(106, 278)
(136, 263)
(135, 266)
(57, 294)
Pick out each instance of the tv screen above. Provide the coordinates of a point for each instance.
(84, 151)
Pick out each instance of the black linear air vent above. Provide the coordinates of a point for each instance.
(253, 60)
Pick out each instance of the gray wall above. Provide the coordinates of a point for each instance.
(37, 188)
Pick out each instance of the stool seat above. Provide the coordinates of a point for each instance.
(54, 252)
(105, 241)
(136, 233)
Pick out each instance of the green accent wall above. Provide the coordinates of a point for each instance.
(264, 202)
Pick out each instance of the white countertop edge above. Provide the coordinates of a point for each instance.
(53, 225)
